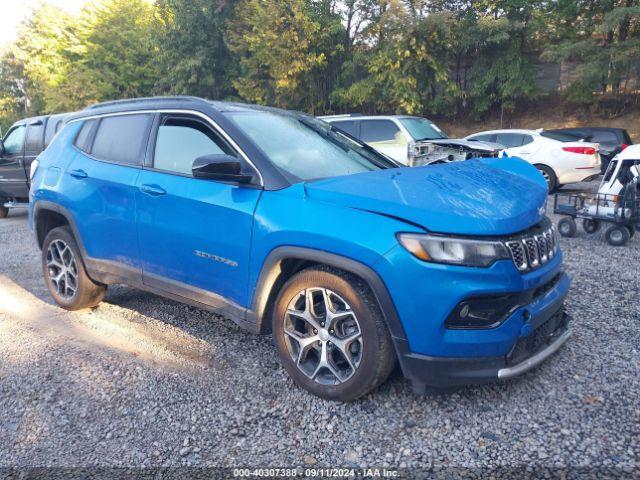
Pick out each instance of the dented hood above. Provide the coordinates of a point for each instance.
(475, 197)
(470, 144)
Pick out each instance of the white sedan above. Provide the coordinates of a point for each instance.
(559, 160)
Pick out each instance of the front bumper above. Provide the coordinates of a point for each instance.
(527, 353)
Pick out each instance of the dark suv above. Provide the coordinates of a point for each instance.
(612, 140)
(24, 141)
(284, 224)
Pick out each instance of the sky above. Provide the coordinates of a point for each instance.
(12, 12)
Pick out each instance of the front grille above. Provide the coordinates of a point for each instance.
(533, 249)
(540, 338)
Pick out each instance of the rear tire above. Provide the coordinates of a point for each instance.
(4, 211)
(617, 235)
(340, 356)
(591, 226)
(549, 176)
(64, 272)
(567, 227)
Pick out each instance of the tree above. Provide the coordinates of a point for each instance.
(194, 56)
(40, 54)
(117, 57)
(605, 44)
(285, 49)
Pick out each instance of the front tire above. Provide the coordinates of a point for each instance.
(617, 235)
(331, 335)
(4, 211)
(64, 272)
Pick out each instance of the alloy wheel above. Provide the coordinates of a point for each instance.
(62, 269)
(323, 336)
(546, 176)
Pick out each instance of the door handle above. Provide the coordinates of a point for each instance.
(78, 173)
(153, 190)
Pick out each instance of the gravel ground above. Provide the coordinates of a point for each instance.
(145, 382)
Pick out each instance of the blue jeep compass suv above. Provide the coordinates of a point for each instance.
(286, 225)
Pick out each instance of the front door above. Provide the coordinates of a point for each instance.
(13, 179)
(195, 234)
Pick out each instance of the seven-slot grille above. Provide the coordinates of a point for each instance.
(533, 250)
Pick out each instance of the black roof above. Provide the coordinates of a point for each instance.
(31, 120)
(178, 102)
(574, 129)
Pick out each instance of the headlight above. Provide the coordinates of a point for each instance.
(34, 167)
(453, 251)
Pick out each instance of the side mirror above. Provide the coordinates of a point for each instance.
(221, 167)
(1, 147)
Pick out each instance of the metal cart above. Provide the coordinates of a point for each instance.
(621, 214)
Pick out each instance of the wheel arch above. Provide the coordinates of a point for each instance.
(284, 262)
(47, 216)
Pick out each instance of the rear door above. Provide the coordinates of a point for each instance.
(13, 179)
(518, 145)
(101, 189)
(195, 234)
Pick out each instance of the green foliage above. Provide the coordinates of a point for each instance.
(443, 57)
(285, 49)
(194, 57)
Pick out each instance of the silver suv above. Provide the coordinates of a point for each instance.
(409, 140)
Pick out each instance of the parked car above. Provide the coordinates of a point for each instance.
(21, 145)
(286, 225)
(412, 141)
(559, 162)
(611, 140)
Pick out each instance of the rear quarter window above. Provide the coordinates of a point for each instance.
(84, 135)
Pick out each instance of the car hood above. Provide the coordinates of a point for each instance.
(461, 142)
(474, 197)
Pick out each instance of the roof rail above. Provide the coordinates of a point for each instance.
(144, 100)
(343, 115)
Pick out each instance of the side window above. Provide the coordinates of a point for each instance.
(181, 140)
(510, 140)
(526, 140)
(53, 126)
(35, 139)
(373, 131)
(84, 135)
(14, 142)
(487, 137)
(603, 136)
(121, 139)
(349, 126)
(610, 169)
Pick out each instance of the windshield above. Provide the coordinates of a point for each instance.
(307, 148)
(422, 129)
